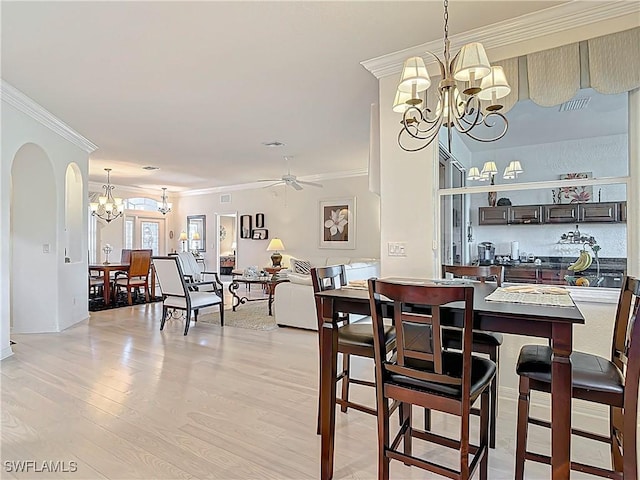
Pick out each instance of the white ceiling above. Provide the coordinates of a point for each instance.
(196, 87)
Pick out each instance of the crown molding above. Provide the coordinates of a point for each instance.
(26, 105)
(545, 22)
(255, 185)
(96, 187)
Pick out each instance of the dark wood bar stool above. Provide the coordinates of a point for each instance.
(487, 343)
(424, 373)
(611, 382)
(353, 338)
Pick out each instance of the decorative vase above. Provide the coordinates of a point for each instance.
(492, 197)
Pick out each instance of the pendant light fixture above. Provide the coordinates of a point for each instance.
(108, 207)
(459, 110)
(165, 207)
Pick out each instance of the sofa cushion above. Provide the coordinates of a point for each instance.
(300, 279)
(301, 266)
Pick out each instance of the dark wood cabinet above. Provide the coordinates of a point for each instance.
(493, 215)
(521, 275)
(561, 213)
(553, 277)
(605, 212)
(525, 214)
(598, 212)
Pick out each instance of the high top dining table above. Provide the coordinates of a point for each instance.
(106, 270)
(554, 323)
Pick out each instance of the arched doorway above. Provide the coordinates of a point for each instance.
(33, 242)
(73, 215)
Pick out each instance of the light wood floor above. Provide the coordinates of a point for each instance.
(124, 400)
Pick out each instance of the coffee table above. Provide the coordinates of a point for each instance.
(268, 283)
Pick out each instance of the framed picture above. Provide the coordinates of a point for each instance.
(260, 234)
(337, 223)
(245, 226)
(259, 220)
(197, 233)
(575, 194)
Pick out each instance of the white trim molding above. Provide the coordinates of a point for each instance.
(26, 105)
(538, 24)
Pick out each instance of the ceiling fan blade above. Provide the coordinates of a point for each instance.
(295, 185)
(312, 184)
(269, 180)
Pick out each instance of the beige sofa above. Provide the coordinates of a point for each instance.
(294, 303)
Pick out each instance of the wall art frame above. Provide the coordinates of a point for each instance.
(246, 226)
(337, 223)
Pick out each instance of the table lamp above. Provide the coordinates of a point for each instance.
(195, 241)
(234, 245)
(183, 238)
(275, 245)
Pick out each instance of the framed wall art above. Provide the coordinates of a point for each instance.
(259, 220)
(245, 226)
(337, 223)
(576, 194)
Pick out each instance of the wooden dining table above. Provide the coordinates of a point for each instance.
(554, 323)
(106, 269)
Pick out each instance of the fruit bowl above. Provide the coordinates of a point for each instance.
(584, 281)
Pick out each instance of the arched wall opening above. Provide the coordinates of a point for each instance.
(73, 214)
(33, 242)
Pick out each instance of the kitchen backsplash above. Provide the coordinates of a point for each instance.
(541, 240)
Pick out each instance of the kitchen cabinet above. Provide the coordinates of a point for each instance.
(553, 277)
(604, 212)
(493, 215)
(521, 275)
(561, 213)
(598, 212)
(525, 214)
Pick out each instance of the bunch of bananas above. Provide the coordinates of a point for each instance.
(582, 263)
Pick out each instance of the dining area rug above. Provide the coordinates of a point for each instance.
(251, 315)
(96, 303)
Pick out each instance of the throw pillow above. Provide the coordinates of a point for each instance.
(302, 266)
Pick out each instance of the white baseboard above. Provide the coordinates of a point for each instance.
(6, 352)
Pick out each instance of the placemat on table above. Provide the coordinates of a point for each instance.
(532, 295)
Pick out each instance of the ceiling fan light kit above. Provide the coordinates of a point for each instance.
(457, 110)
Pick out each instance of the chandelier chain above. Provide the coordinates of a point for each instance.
(446, 31)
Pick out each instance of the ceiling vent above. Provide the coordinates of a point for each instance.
(273, 144)
(575, 104)
(225, 198)
(150, 167)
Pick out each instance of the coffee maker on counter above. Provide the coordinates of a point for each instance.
(486, 253)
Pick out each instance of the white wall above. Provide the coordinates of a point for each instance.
(68, 305)
(291, 215)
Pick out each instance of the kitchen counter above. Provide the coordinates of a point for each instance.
(553, 269)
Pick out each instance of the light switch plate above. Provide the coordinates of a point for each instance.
(397, 249)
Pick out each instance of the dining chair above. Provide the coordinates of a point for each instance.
(423, 372)
(487, 343)
(178, 296)
(354, 338)
(137, 276)
(613, 382)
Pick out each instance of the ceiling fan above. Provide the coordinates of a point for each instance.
(289, 180)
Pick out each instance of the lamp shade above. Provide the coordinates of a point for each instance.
(400, 104)
(494, 85)
(515, 166)
(414, 76)
(183, 236)
(472, 63)
(195, 236)
(489, 169)
(474, 174)
(508, 174)
(274, 245)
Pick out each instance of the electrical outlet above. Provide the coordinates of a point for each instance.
(397, 249)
